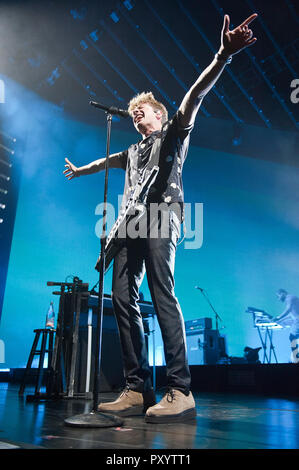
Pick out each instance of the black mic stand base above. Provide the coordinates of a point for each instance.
(94, 419)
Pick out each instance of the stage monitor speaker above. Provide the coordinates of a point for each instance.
(203, 347)
(204, 323)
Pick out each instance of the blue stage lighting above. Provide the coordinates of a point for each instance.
(114, 17)
(35, 62)
(94, 35)
(128, 5)
(79, 14)
(84, 45)
(4, 177)
(53, 77)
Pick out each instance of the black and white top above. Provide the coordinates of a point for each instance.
(168, 187)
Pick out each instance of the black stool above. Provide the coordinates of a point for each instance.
(46, 333)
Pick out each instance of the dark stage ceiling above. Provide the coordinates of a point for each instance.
(71, 51)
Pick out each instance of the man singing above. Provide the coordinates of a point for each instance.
(156, 255)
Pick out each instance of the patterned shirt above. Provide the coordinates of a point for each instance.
(168, 187)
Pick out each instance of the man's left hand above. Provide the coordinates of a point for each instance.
(237, 39)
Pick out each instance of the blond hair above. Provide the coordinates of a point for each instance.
(148, 98)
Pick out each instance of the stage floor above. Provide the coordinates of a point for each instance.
(224, 421)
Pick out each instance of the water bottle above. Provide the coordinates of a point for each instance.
(50, 318)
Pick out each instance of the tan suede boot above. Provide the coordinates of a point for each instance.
(129, 403)
(175, 406)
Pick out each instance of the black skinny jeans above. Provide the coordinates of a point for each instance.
(157, 257)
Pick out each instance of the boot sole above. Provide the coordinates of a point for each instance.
(177, 418)
(133, 411)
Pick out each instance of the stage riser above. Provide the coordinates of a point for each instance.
(265, 379)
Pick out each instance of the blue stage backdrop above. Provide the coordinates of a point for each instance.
(250, 228)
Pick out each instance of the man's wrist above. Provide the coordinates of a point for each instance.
(223, 56)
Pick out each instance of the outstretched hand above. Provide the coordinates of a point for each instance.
(71, 170)
(237, 39)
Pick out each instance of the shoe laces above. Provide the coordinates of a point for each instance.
(125, 391)
(170, 395)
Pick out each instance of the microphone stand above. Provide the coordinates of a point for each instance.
(95, 418)
(217, 317)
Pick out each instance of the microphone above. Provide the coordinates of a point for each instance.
(199, 288)
(110, 109)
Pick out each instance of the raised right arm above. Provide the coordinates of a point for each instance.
(72, 171)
